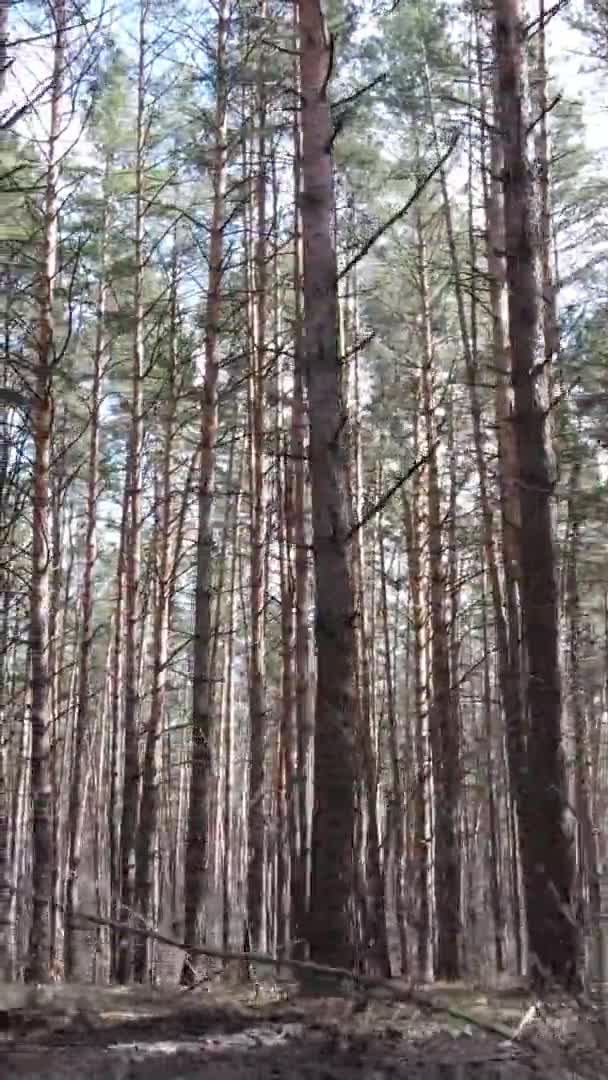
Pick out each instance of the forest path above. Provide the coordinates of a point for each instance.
(66, 1032)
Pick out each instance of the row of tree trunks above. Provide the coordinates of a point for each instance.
(330, 862)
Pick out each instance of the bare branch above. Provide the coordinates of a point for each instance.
(420, 187)
(384, 499)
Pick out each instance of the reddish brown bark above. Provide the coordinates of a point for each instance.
(547, 849)
(331, 925)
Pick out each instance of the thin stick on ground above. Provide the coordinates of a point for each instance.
(364, 982)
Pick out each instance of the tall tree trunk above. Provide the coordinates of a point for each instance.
(412, 519)
(75, 944)
(376, 946)
(542, 148)
(443, 717)
(397, 797)
(493, 803)
(300, 868)
(331, 928)
(147, 854)
(256, 826)
(591, 840)
(42, 423)
(228, 727)
(116, 743)
(133, 584)
(197, 833)
(508, 626)
(547, 848)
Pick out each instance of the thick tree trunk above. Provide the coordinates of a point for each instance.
(331, 930)
(507, 618)
(547, 848)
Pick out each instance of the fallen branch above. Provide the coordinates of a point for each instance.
(365, 982)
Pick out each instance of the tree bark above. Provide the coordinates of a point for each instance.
(396, 815)
(331, 928)
(547, 848)
(258, 285)
(42, 424)
(146, 853)
(444, 737)
(197, 834)
(75, 942)
(297, 528)
(133, 584)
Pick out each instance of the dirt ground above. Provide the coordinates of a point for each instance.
(236, 1033)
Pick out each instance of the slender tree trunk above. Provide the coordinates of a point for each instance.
(133, 583)
(256, 826)
(331, 928)
(74, 943)
(147, 854)
(493, 833)
(6, 928)
(376, 946)
(42, 423)
(116, 745)
(228, 728)
(197, 833)
(300, 868)
(397, 797)
(591, 854)
(547, 847)
(422, 832)
(443, 718)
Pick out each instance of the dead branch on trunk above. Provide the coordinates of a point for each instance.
(394, 218)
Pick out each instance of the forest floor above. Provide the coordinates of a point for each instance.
(220, 1032)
